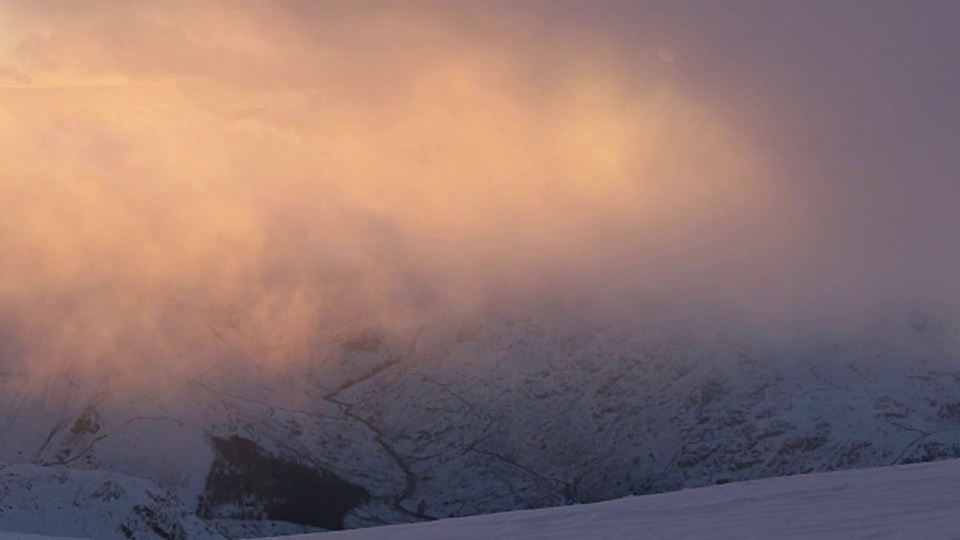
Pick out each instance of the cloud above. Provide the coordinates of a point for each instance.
(283, 170)
(12, 74)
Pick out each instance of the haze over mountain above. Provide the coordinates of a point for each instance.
(441, 258)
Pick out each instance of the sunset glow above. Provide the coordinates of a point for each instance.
(286, 267)
(382, 167)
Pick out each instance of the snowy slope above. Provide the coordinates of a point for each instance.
(92, 504)
(494, 412)
(22, 536)
(912, 501)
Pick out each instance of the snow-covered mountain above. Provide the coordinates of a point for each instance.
(493, 412)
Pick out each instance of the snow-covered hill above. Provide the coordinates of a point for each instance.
(92, 504)
(911, 501)
(494, 412)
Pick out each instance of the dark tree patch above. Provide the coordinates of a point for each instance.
(247, 482)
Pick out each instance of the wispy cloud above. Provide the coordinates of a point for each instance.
(309, 166)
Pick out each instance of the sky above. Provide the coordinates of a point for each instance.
(294, 167)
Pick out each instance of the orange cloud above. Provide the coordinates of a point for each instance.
(169, 171)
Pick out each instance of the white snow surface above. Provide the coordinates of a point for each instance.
(910, 501)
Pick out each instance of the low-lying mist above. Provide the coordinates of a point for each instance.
(287, 170)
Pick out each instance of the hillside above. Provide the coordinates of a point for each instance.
(493, 413)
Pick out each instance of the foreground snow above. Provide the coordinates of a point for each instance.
(912, 501)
